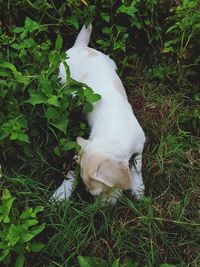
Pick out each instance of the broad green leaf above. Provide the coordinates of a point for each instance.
(31, 25)
(13, 235)
(4, 73)
(91, 96)
(67, 71)
(52, 113)
(36, 230)
(54, 61)
(36, 246)
(59, 42)
(53, 101)
(42, 5)
(88, 107)
(3, 245)
(20, 261)
(36, 98)
(67, 145)
(129, 10)
(73, 21)
(6, 219)
(20, 136)
(105, 16)
(14, 136)
(20, 248)
(4, 254)
(91, 262)
(168, 50)
(27, 213)
(26, 43)
(31, 222)
(18, 29)
(64, 102)
(172, 28)
(7, 201)
(22, 121)
(27, 237)
(18, 75)
(6, 194)
(38, 209)
(61, 124)
(57, 152)
(46, 86)
(116, 263)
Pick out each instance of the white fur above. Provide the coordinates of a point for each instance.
(64, 191)
(115, 130)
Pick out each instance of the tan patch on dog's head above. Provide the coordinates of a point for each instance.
(101, 173)
(119, 87)
(114, 173)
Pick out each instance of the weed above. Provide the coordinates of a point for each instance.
(17, 231)
(34, 104)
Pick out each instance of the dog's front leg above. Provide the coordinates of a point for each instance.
(137, 185)
(65, 190)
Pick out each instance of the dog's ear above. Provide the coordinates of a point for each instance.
(82, 142)
(114, 173)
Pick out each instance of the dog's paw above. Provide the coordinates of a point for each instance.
(137, 190)
(61, 193)
(64, 191)
(138, 194)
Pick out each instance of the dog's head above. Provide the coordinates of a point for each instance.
(101, 173)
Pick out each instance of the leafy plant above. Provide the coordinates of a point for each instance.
(33, 102)
(126, 22)
(182, 32)
(18, 230)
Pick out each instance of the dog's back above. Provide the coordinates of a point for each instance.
(112, 116)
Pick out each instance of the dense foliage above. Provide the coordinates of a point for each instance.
(156, 46)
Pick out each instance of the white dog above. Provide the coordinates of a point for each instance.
(115, 132)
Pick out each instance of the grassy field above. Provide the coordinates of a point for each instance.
(163, 227)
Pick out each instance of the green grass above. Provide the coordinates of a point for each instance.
(163, 227)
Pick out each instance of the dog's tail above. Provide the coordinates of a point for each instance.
(83, 37)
